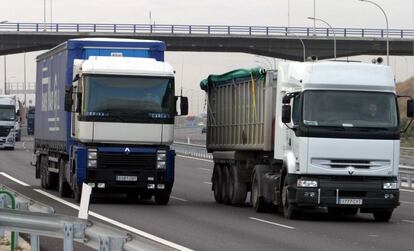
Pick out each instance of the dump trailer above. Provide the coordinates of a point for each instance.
(9, 121)
(104, 116)
(309, 135)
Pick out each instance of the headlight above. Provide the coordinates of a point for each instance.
(390, 185)
(92, 163)
(92, 155)
(161, 164)
(161, 158)
(10, 140)
(307, 183)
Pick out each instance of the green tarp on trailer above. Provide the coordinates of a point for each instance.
(215, 80)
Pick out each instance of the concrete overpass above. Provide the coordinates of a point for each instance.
(279, 42)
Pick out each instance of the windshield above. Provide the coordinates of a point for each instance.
(129, 98)
(350, 109)
(7, 113)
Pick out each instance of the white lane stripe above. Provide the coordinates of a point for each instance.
(24, 147)
(404, 166)
(408, 221)
(117, 223)
(205, 169)
(188, 157)
(272, 223)
(407, 202)
(14, 179)
(405, 190)
(177, 198)
(208, 183)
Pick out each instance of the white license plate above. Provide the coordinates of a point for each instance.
(126, 178)
(350, 201)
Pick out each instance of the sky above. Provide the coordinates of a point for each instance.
(191, 67)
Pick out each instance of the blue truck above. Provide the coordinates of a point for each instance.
(104, 116)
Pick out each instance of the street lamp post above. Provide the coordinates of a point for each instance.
(333, 31)
(5, 67)
(386, 21)
(303, 45)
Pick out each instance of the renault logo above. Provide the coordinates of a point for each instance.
(351, 170)
(127, 151)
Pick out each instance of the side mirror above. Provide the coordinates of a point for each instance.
(410, 108)
(68, 99)
(184, 105)
(286, 99)
(18, 113)
(286, 112)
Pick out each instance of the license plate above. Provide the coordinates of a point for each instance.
(126, 178)
(350, 201)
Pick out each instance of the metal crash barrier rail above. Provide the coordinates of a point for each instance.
(406, 173)
(36, 219)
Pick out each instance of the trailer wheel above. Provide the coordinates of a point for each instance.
(217, 180)
(63, 186)
(257, 201)
(162, 197)
(237, 190)
(225, 184)
(289, 210)
(45, 175)
(382, 216)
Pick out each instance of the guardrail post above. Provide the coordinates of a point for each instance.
(18, 27)
(409, 181)
(267, 31)
(34, 242)
(307, 32)
(2, 205)
(77, 27)
(13, 201)
(286, 31)
(94, 27)
(228, 30)
(250, 30)
(382, 33)
(190, 29)
(150, 28)
(57, 27)
(68, 239)
(114, 27)
(135, 28)
(208, 29)
(402, 33)
(37, 27)
(344, 32)
(363, 32)
(107, 243)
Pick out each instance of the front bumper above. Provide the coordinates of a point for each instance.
(6, 142)
(336, 191)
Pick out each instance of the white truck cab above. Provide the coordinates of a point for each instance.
(8, 121)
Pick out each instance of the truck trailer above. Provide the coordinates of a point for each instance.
(9, 121)
(104, 116)
(309, 135)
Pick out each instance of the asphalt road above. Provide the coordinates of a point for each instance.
(192, 218)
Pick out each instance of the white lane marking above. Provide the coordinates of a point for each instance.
(408, 221)
(188, 157)
(177, 198)
(117, 223)
(14, 179)
(407, 202)
(271, 223)
(24, 147)
(205, 169)
(208, 183)
(404, 166)
(405, 190)
(28, 150)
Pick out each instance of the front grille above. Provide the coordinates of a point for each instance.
(342, 163)
(138, 161)
(5, 130)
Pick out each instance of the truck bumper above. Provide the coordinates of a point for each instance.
(150, 180)
(7, 142)
(354, 192)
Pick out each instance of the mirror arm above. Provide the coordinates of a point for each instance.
(406, 128)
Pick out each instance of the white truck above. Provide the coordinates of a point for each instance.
(9, 124)
(309, 135)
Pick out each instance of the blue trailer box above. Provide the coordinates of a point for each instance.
(53, 140)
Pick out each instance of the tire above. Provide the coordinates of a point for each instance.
(63, 186)
(217, 180)
(225, 184)
(45, 175)
(257, 201)
(162, 197)
(382, 216)
(237, 190)
(77, 191)
(289, 210)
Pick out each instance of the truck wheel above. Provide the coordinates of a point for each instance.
(289, 211)
(256, 200)
(225, 184)
(237, 190)
(63, 186)
(77, 191)
(162, 197)
(382, 216)
(217, 180)
(45, 175)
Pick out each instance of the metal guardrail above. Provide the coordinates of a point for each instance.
(204, 29)
(407, 151)
(406, 174)
(37, 219)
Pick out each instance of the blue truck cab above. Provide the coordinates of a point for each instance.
(105, 111)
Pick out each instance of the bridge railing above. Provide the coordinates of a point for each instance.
(204, 30)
